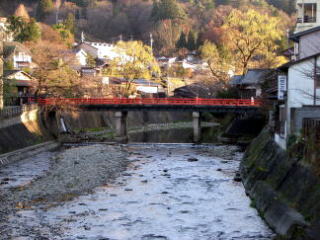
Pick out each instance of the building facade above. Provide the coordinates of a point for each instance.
(308, 12)
(302, 86)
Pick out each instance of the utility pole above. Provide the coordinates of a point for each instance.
(151, 42)
(82, 37)
(58, 4)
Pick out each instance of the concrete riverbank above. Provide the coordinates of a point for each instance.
(283, 188)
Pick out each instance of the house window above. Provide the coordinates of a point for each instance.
(310, 13)
(317, 79)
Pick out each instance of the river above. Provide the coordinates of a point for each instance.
(166, 192)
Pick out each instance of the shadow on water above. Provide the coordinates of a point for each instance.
(179, 135)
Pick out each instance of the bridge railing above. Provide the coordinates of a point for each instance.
(149, 101)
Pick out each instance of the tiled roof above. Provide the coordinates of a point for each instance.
(145, 82)
(254, 76)
(235, 80)
(10, 47)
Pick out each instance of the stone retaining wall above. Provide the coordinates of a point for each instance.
(285, 191)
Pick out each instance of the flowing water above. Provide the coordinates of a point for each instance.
(168, 192)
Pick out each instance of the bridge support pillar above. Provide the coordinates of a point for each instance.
(196, 122)
(121, 127)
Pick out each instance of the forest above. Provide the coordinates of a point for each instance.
(241, 33)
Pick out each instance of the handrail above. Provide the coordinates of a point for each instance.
(149, 101)
(13, 111)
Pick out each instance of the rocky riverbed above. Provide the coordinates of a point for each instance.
(129, 192)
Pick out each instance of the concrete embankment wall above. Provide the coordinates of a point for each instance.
(22, 131)
(39, 125)
(96, 119)
(285, 191)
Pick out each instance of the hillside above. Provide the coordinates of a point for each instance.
(7, 7)
(175, 27)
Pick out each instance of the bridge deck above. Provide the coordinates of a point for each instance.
(157, 104)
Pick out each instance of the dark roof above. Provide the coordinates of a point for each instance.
(194, 90)
(9, 48)
(145, 82)
(101, 62)
(295, 37)
(235, 80)
(254, 76)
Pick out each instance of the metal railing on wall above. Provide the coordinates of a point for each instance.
(14, 111)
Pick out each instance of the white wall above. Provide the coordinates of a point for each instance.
(21, 57)
(104, 51)
(300, 87)
(82, 57)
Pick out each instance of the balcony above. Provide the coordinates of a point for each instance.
(307, 19)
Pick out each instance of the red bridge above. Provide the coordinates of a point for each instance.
(175, 104)
(121, 106)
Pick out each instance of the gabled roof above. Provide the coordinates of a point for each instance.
(254, 76)
(145, 82)
(193, 90)
(295, 37)
(19, 82)
(235, 80)
(83, 46)
(9, 48)
(8, 73)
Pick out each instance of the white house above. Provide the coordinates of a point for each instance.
(250, 84)
(20, 79)
(308, 14)
(17, 54)
(82, 56)
(306, 43)
(98, 50)
(302, 86)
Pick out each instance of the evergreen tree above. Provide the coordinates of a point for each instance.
(223, 2)
(182, 42)
(44, 7)
(84, 3)
(291, 6)
(192, 41)
(24, 30)
(31, 32)
(288, 6)
(167, 9)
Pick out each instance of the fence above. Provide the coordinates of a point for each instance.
(14, 111)
(311, 127)
(311, 135)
